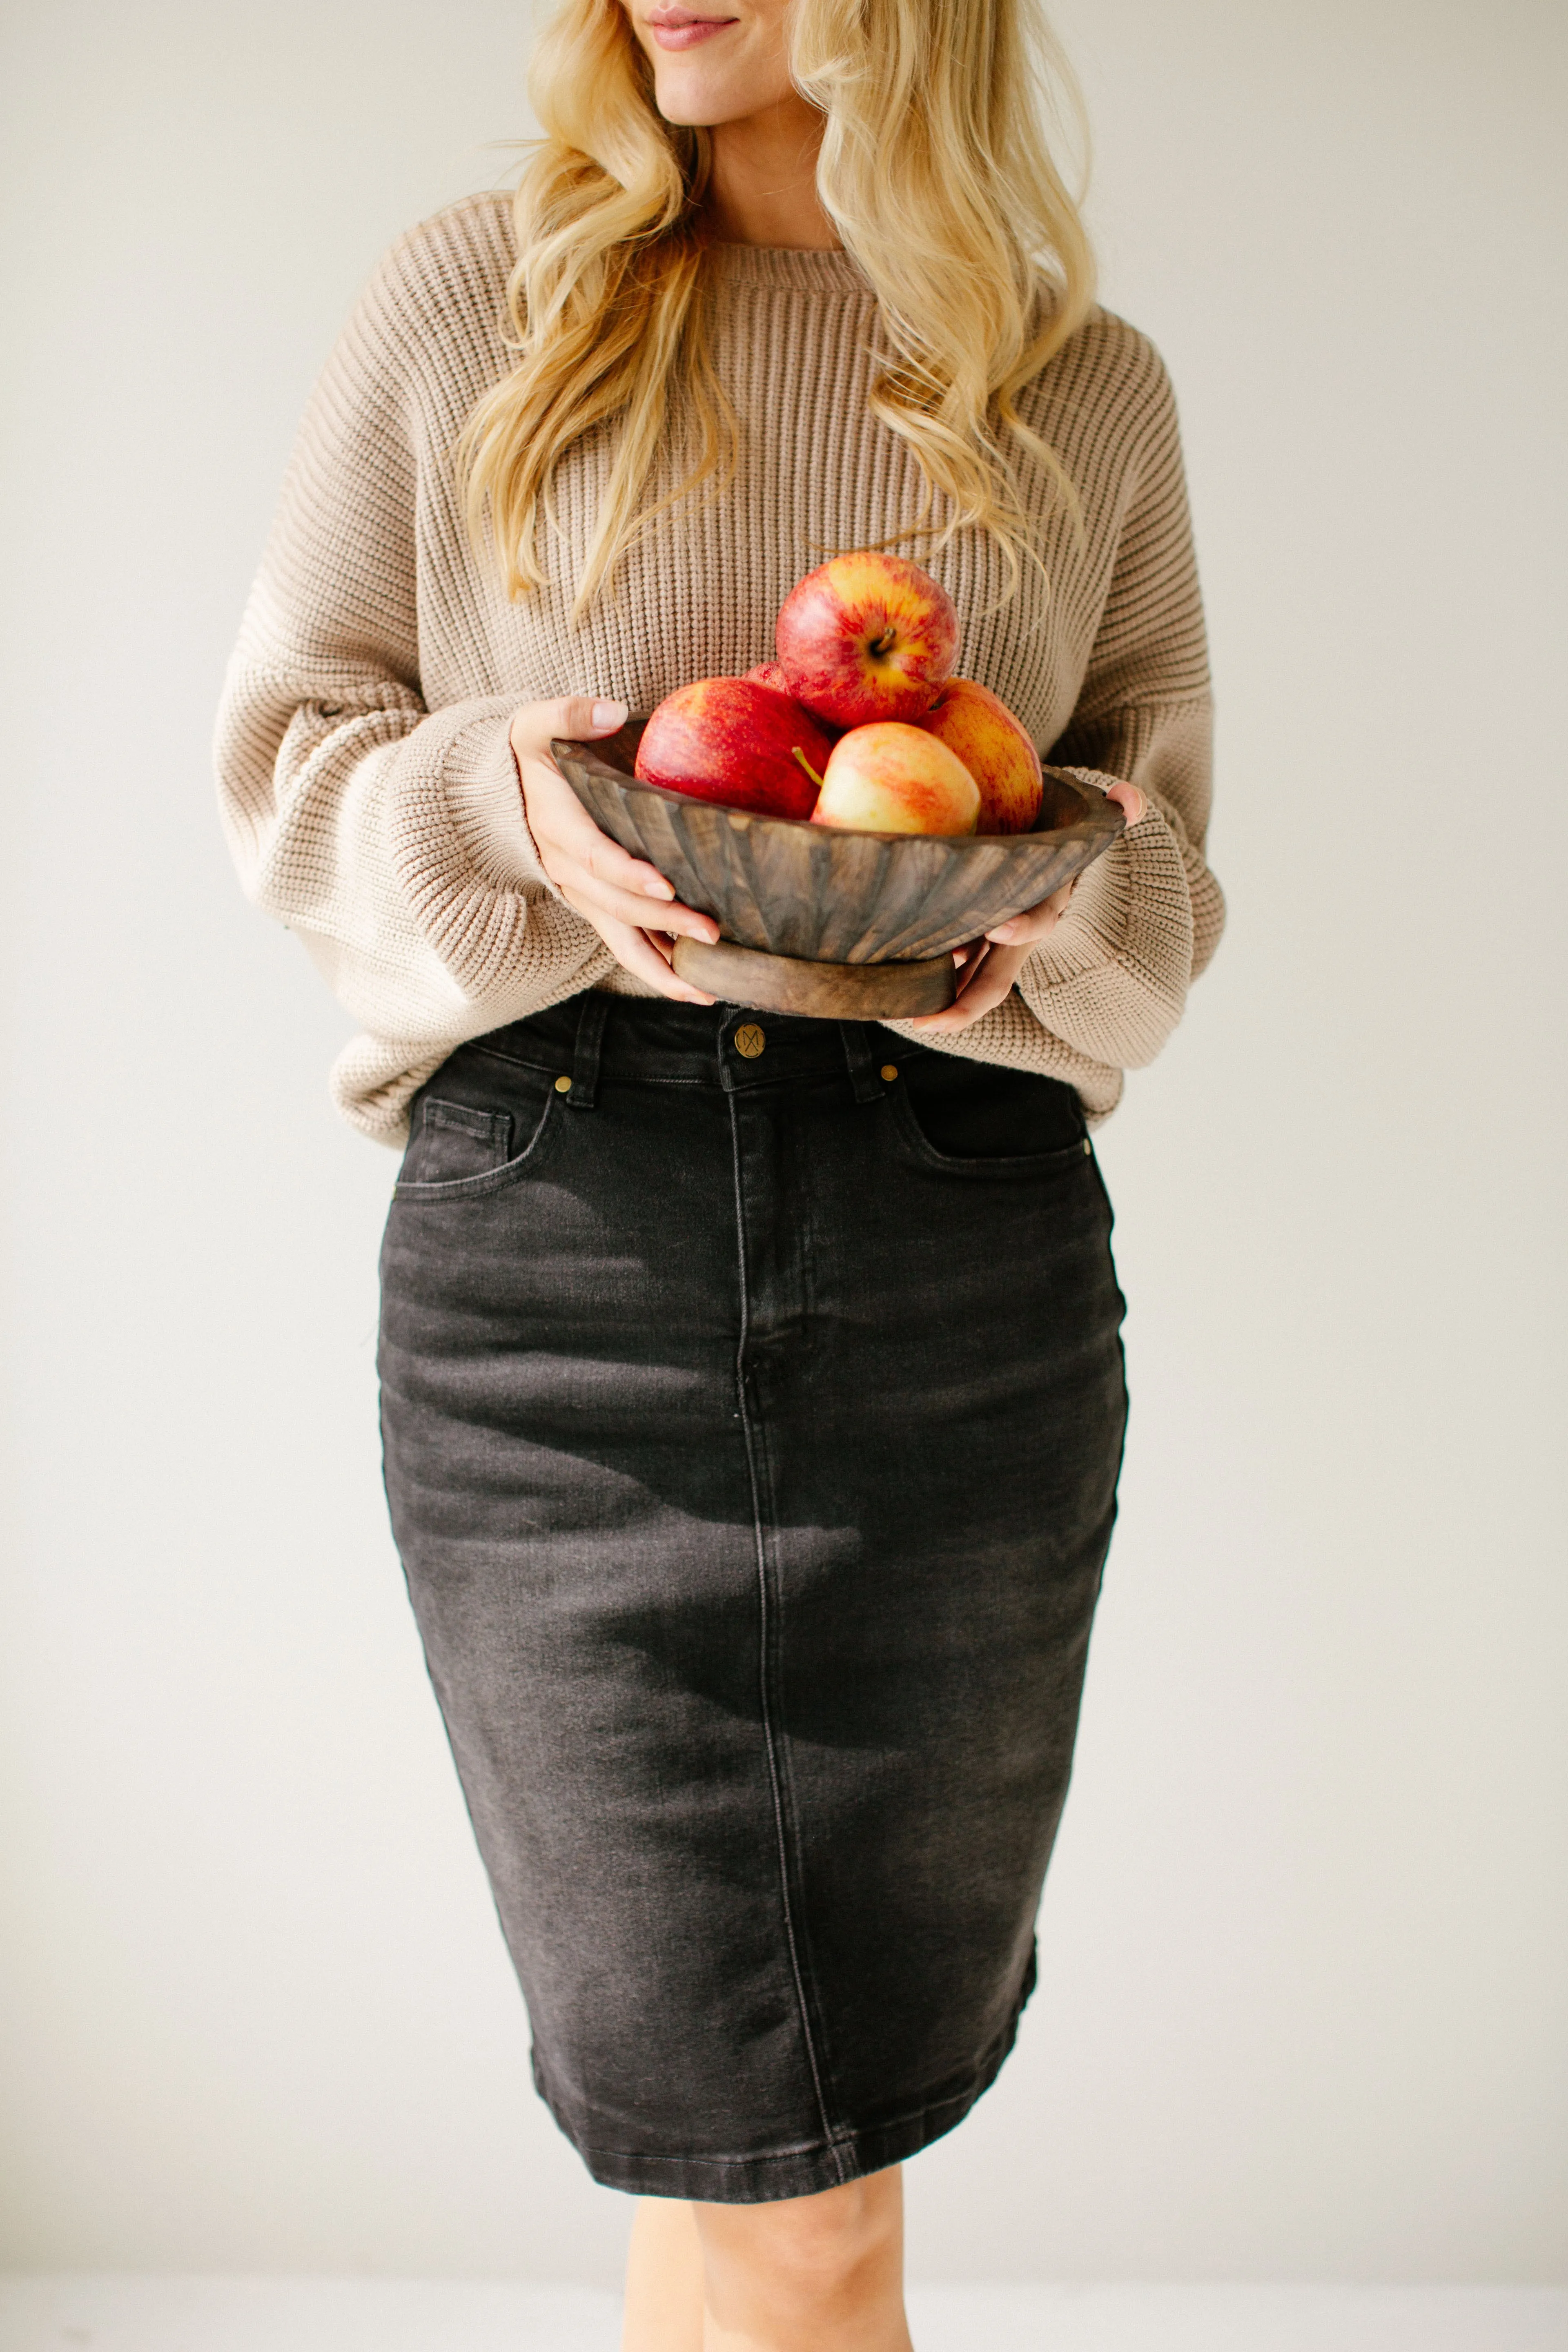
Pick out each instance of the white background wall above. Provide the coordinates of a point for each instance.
(1301, 2009)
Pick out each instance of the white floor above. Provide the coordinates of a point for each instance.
(202, 2315)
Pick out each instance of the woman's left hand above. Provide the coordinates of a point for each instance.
(988, 967)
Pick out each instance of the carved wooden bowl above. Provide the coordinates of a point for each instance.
(844, 925)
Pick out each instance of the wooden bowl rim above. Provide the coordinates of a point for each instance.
(1100, 817)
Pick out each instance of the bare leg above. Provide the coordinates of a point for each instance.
(820, 2274)
(664, 2279)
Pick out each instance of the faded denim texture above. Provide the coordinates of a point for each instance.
(752, 1423)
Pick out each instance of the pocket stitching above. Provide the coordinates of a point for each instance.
(494, 1179)
(461, 1118)
(1008, 1164)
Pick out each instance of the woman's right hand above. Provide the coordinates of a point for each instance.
(608, 885)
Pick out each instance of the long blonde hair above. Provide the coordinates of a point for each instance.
(936, 173)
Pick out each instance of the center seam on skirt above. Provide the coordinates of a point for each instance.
(764, 1694)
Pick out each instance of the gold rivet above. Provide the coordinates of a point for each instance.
(562, 1086)
(1088, 1147)
(889, 1071)
(750, 1041)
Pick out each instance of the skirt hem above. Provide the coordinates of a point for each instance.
(801, 2171)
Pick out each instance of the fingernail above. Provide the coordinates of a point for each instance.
(657, 889)
(609, 715)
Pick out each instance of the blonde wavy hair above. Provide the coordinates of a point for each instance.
(936, 172)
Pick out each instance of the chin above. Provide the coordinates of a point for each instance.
(683, 112)
(694, 101)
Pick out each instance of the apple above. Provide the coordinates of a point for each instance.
(974, 722)
(867, 637)
(772, 674)
(736, 741)
(890, 777)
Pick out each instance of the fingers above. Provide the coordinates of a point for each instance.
(598, 876)
(639, 951)
(556, 815)
(1035, 923)
(592, 872)
(584, 888)
(567, 835)
(969, 960)
(986, 980)
(561, 823)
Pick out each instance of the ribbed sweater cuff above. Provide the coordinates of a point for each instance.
(1113, 977)
(484, 794)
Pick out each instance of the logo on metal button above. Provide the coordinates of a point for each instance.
(749, 1040)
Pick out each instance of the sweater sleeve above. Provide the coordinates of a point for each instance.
(1112, 981)
(390, 836)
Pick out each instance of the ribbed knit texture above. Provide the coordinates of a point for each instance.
(368, 788)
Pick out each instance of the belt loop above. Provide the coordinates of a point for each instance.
(591, 1020)
(863, 1069)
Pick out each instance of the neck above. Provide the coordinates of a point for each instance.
(763, 186)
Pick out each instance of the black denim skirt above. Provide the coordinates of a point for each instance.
(752, 1404)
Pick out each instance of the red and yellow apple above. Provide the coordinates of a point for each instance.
(733, 740)
(974, 722)
(889, 777)
(869, 636)
(770, 673)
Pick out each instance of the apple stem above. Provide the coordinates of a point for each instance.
(796, 753)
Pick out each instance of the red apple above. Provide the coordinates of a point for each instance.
(892, 778)
(733, 740)
(869, 636)
(772, 674)
(971, 721)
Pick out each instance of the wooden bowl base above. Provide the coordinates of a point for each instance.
(824, 992)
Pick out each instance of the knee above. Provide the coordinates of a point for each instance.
(825, 2239)
(808, 2249)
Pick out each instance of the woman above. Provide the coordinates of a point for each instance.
(751, 1387)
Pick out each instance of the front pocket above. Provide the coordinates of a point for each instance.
(452, 1139)
(996, 1168)
(983, 1119)
(474, 1127)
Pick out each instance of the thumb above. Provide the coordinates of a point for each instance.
(579, 717)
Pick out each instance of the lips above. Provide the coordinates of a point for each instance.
(678, 28)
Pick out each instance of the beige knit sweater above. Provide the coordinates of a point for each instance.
(368, 789)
